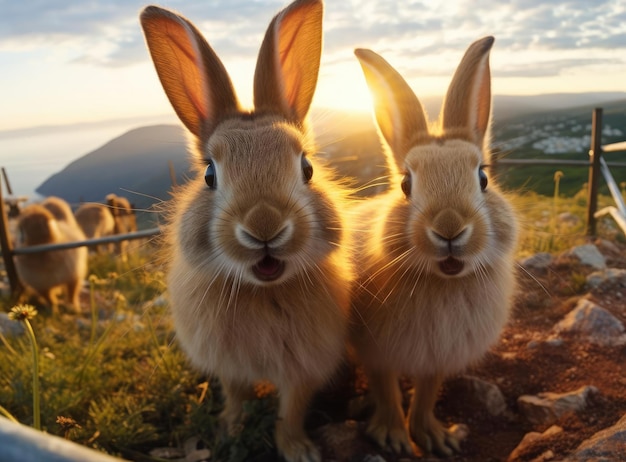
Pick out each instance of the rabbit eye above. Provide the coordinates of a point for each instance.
(406, 184)
(482, 178)
(307, 168)
(209, 175)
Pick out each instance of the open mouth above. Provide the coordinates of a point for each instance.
(268, 269)
(451, 266)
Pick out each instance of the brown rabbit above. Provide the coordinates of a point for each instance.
(96, 220)
(437, 258)
(259, 273)
(124, 213)
(60, 210)
(47, 272)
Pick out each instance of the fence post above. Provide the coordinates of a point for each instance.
(595, 153)
(7, 251)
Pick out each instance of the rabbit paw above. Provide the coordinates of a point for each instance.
(393, 437)
(298, 450)
(434, 438)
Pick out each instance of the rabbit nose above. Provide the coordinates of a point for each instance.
(449, 229)
(263, 226)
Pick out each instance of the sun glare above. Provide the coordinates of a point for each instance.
(343, 87)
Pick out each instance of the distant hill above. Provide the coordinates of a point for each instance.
(136, 164)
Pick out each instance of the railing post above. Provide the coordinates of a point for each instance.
(7, 251)
(595, 153)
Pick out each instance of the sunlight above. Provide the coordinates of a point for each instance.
(342, 86)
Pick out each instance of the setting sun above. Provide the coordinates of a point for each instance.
(344, 88)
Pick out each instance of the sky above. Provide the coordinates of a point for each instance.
(72, 61)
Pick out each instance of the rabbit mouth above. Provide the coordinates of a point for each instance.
(268, 269)
(451, 266)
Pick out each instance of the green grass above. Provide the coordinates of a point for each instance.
(114, 378)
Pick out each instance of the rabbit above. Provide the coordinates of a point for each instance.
(436, 271)
(46, 272)
(124, 213)
(95, 220)
(60, 209)
(259, 263)
(125, 220)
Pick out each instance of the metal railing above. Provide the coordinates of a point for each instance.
(597, 165)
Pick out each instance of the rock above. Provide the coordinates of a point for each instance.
(167, 453)
(587, 255)
(593, 321)
(530, 439)
(606, 246)
(606, 445)
(340, 438)
(546, 408)
(540, 261)
(479, 393)
(10, 328)
(610, 275)
(376, 458)
(569, 219)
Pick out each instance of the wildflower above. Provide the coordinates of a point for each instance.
(22, 312)
(67, 424)
(120, 300)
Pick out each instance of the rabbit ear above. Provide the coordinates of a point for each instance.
(399, 113)
(467, 105)
(289, 61)
(193, 77)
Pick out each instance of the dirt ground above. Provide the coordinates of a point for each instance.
(544, 299)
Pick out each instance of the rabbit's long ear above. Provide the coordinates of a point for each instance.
(193, 77)
(289, 61)
(467, 105)
(399, 113)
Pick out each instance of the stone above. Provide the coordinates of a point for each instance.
(593, 321)
(479, 393)
(340, 438)
(546, 408)
(606, 445)
(569, 219)
(376, 458)
(530, 439)
(540, 261)
(587, 255)
(609, 275)
(10, 328)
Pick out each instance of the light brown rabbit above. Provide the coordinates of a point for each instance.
(60, 210)
(436, 264)
(123, 212)
(260, 270)
(47, 272)
(96, 220)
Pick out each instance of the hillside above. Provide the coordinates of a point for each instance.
(136, 163)
(557, 134)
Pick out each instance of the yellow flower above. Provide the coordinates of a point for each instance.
(22, 312)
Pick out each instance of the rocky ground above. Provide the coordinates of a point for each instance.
(553, 388)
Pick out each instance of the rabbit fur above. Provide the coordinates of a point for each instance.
(46, 272)
(259, 269)
(96, 220)
(436, 265)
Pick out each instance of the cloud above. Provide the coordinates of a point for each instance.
(107, 33)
